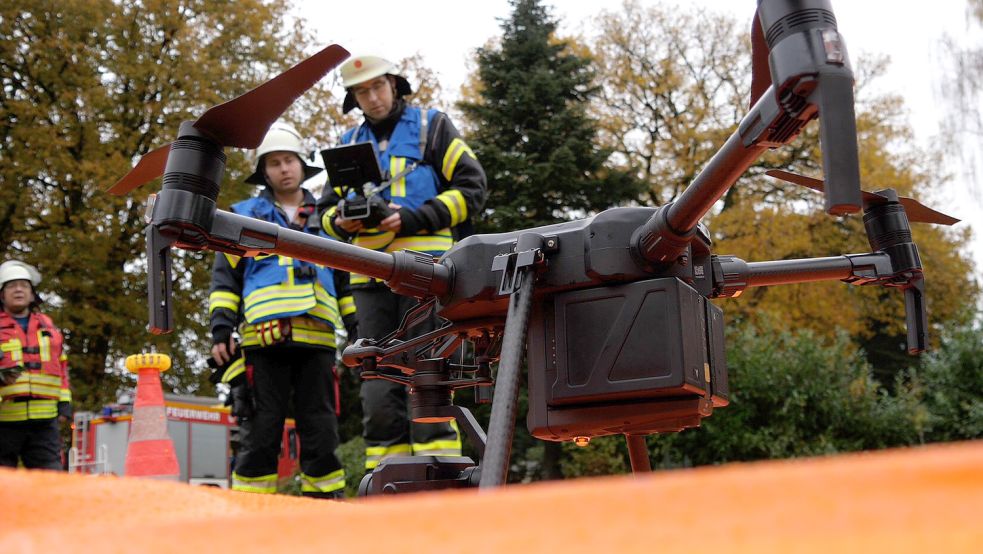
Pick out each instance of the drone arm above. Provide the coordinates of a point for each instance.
(406, 272)
(246, 236)
(188, 220)
(916, 316)
(667, 233)
(810, 77)
(731, 276)
(159, 281)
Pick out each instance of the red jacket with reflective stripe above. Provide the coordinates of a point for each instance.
(40, 356)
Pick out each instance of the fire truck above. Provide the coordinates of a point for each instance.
(205, 440)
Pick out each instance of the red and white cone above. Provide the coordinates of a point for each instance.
(150, 451)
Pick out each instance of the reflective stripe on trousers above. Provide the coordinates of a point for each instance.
(264, 484)
(331, 482)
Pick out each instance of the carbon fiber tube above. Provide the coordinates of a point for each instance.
(720, 173)
(783, 272)
(256, 235)
(667, 233)
(495, 465)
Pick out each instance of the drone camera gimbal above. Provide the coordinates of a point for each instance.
(612, 313)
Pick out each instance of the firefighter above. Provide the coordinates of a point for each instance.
(34, 393)
(436, 186)
(288, 311)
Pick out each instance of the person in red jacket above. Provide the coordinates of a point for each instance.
(34, 393)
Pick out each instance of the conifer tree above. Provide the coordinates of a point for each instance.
(531, 128)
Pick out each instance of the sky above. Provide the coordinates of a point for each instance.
(446, 34)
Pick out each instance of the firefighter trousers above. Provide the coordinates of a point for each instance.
(387, 428)
(36, 442)
(282, 374)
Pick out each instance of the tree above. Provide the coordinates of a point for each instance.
(531, 129)
(962, 89)
(674, 85)
(527, 116)
(85, 88)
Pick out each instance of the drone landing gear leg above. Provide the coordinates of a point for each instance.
(638, 453)
(518, 278)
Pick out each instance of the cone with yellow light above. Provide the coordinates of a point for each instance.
(150, 451)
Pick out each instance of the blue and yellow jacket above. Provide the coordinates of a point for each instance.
(308, 299)
(445, 187)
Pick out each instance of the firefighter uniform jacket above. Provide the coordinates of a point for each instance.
(43, 381)
(436, 180)
(278, 299)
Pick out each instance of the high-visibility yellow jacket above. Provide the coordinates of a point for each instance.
(277, 289)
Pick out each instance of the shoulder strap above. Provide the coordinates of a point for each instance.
(355, 131)
(424, 114)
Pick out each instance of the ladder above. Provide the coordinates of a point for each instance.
(79, 459)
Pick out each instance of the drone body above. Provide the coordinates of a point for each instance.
(612, 313)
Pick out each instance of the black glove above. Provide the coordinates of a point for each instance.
(351, 327)
(221, 335)
(410, 222)
(218, 371)
(65, 410)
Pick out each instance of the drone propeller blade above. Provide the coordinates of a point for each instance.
(150, 167)
(243, 121)
(923, 214)
(796, 179)
(916, 211)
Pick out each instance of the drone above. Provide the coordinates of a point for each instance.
(612, 313)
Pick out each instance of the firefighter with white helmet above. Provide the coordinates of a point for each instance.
(435, 187)
(286, 312)
(34, 391)
(282, 137)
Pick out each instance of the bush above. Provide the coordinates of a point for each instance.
(952, 379)
(792, 394)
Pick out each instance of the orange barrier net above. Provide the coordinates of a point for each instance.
(911, 500)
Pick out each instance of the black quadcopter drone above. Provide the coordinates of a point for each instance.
(611, 312)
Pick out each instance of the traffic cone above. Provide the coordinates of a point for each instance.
(150, 451)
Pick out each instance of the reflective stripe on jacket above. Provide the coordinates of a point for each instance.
(302, 330)
(39, 354)
(277, 287)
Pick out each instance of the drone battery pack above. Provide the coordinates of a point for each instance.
(638, 358)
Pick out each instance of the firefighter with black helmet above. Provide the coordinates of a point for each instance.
(287, 312)
(435, 187)
(34, 392)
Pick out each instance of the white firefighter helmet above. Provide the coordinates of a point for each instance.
(360, 69)
(282, 137)
(14, 270)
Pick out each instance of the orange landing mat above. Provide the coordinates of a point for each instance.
(911, 500)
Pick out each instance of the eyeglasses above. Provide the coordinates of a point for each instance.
(376, 87)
